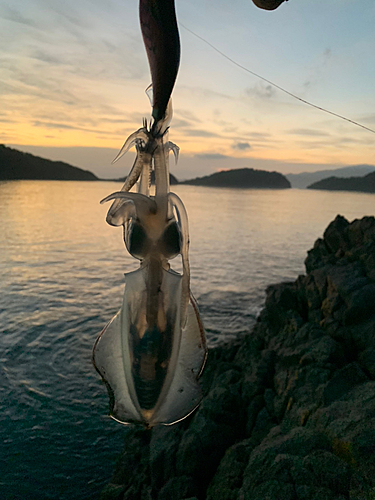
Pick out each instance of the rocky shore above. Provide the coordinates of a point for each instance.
(289, 409)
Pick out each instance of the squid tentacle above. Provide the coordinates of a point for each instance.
(171, 146)
(141, 134)
(136, 171)
(142, 158)
(139, 200)
(121, 214)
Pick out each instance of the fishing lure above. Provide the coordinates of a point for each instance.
(151, 354)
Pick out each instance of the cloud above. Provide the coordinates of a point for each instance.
(200, 133)
(259, 135)
(65, 126)
(187, 114)
(368, 118)
(38, 123)
(178, 123)
(308, 131)
(241, 146)
(206, 93)
(261, 90)
(44, 57)
(11, 14)
(211, 156)
(318, 69)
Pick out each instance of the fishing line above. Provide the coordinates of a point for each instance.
(275, 84)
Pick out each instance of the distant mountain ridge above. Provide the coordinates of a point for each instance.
(304, 179)
(365, 184)
(15, 165)
(242, 178)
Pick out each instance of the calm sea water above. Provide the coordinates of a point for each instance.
(61, 271)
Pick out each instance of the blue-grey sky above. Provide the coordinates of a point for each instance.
(73, 76)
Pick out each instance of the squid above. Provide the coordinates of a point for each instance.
(151, 354)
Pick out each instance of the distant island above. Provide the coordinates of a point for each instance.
(15, 165)
(364, 184)
(242, 178)
(304, 179)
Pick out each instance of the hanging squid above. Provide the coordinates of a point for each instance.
(152, 352)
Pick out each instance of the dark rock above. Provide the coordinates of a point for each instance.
(163, 450)
(132, 469)
(178, 487)
(328, 471)
(263, 424)
(112, 492)
(343, 381)
(253, 410)
(335, 236)
(367, 361)
(255, 381)
(360, 305)
(279, 460)
(318, 256)
(269, 490)
(228, 478)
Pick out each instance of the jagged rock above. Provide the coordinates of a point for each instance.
(343, 381)
(177, 487)
(289, 408)
(228, 478)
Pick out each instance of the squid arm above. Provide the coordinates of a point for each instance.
(139, 135)
(144, 147)
(120, 212)
(175, 150)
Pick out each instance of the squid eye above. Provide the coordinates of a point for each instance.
(170, 242)
(137, 241)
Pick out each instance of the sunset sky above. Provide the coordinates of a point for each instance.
(73, 76)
